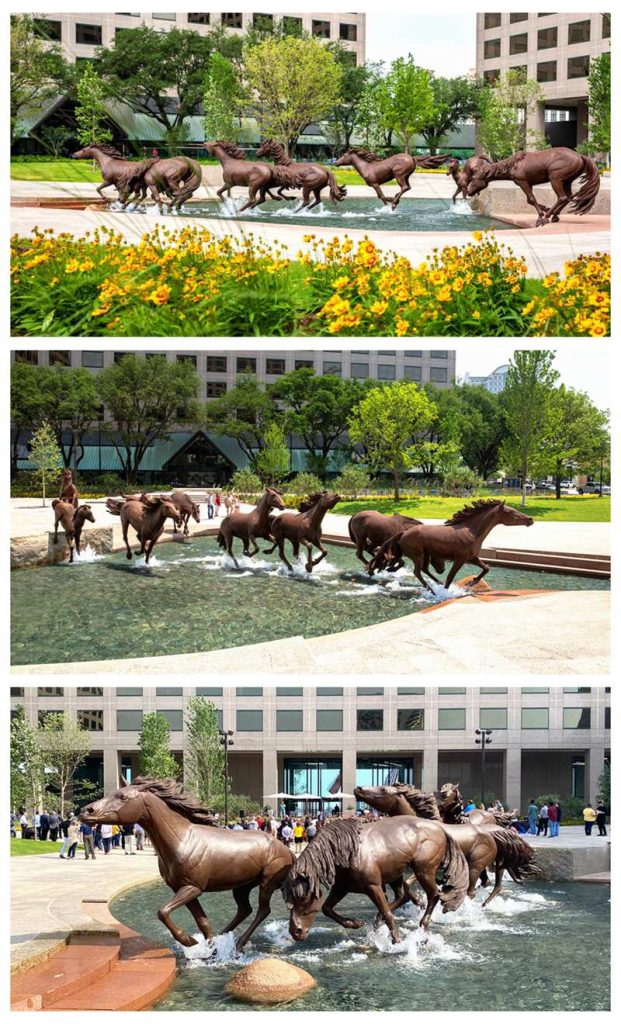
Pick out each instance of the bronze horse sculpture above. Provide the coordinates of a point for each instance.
(459, 539)
(349, 856)
(370, 529)
(377, 170)
(462, 176)
(559, 167)
(147, 517)
(68, 491)
(194, 856)
(187, 509)
(177, 177)
(451, 807)
(304, 528)
(259, 177)
(72, 521)
(314, 177)
(250, 525)
(481, 844)
(126, 176)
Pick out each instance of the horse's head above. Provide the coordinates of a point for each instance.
(123, 807)
(274, 498)
(452, 166)
(345, 160)
(171, 512)
(83, 154)
(267, 148)
(87, 513)
(329, 500)
(305, 903)
(196, 512)
(210, 147)
(510, 516)
(384, 798)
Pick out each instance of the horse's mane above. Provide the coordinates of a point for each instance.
(173, 795)
(310, 501)
(425, 804)
(232, 149)
(135, 170)
(366, 154)
(333, 847)
(105, 147)
(469, 511)
(504, 166)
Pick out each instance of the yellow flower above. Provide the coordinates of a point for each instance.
(476, 315)
(458, 284)
(444, 295)
(340, 282)
(477, 235)
(159, 296)
(597, 330)
(378, 308)
(72, 266)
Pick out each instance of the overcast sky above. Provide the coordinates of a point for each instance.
(445, 43)
(584, 365)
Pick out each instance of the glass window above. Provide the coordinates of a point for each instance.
(381, 771)
(17, 691)
(579, 32)
(50, 691)
(492, 20)
(128, 721)
(250, 721)
(546, 38)
(444, 690)
(185, 357)
(577, 775)
(371, 720)
(438, 373)
(410, 719)
(576, 718)
(165, 17)
(32, 357)
(43, 716)
(413, 353)
(546, 71)
(129, 691)
(232, 20)
(578, 67)
(406, 690)
(60, 358)
(88, 35)
(517, 17)
(605, 26)
(439, 353)
(90, 691)
(198, 19)
(518, 44)
(289, 721)
(413, 372)
(168, 691)
(249, 691)
(289, 691)
(493, 718)
(348, 32)
(493, 689)
(333, 367)
(215, 388)
(292, 26)
(535, 689)
(93, 360)
(370, 691)
(451, 718)
(329, 691)
(263, 21)
(91, 720)
(329, 720)
(535, 718)
(304, 364)
(492, 75)
(216, 364)
(245, 364)
(321, 29)
(275, 366)
(209, 691)
(359, 370)
(312, 776)
(491, 48)
(606, 718)
(386, 371)
(45, 28)
(576, 689)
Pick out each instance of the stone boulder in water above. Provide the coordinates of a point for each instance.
(270, 981)
(482, 587)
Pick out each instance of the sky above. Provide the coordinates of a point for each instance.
(445, 43)
(583, 366)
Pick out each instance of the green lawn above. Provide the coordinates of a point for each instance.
(26, 847)
(580, 509)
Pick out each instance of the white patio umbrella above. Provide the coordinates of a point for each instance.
(339, 796)
(278, 796)
(305, 796)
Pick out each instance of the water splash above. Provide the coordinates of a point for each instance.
(87, 554)
(140, 564)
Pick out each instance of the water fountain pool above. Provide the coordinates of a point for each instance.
(191, 598)
(541, 947)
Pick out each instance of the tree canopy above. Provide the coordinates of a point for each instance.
(407, 99)
(39, 72)
(454, 100)
(154, 743)
(505, 108)
(599, 103)
(527, 409)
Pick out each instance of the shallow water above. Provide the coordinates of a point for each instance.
(409, 215)
(539, 947)
(191, 598)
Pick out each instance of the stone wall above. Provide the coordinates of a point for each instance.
(41, 550)
(564, 864)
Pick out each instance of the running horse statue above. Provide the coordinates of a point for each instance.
(459, 539)
(178, 177)
(250, 525)
(72, 521)
(451, 807)
(314, 177)
(377, 170)
(349, 856)
(127, 176)
(462, 176)
(194, 856)
(303, 529)
(258, 176)
(186, 508)
(147, 517)
(559, 167)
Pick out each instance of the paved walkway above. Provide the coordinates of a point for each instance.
(544, 249)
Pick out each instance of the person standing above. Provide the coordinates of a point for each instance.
(44, 826)
(282, 810)
(298, 835)
(106, 837)
(553, 819)
(600, 812)
(128, 839)
(210, 505)
(590, 817)
(87, 839)
(542, 825)
(54, 826)
(23, 824)
(70, 841)
(139, 834)
(533, 814)
(217, 501)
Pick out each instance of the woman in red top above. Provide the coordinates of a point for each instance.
(217, 502)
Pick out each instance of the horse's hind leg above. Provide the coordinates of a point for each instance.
(404, 182)
(201, 919)
(265, 896)
(377, 896)
(484, 571)
(337, 893)
(564, 193)
(241, 895)
(317, 194)
(426, 877)
(281, 552)
(497, 886)
(125, 529)
(543, 211)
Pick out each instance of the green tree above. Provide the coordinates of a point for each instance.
(371, 124)
(341, 121)
(44, 456)
(352, 480)
(274, 460)
(28, 404)
(65, 745)
(409, 100)
(243, 413)
(222, 99)
(303, 484)
(53, 138)
(71, 404)
(599, 104)
(482, 428)
(527, 407)
(576, 432)
(26, 765)
(204, 758)
(155, 757)
(454, 100)
(39, 72)
(603, 784)
(146, 397)
(388, 422)
(245, 482)
(294, 82)
(90, 113)
(505, 109)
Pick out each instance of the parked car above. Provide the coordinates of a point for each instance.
(592, 488)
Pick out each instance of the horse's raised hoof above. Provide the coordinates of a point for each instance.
(187, 940)
(352, 922)
(309, 566)
(128, 555)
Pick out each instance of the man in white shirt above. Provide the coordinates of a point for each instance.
(106, 837)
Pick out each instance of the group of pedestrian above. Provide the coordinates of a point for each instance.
(215, 501)
(546, 819)
(595, 816)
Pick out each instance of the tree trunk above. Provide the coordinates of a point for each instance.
(524, 471)
(557, 481)
(43, 488)
(396, 482)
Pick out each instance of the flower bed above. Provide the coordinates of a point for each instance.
(191, 284)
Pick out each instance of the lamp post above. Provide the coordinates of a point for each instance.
(226, 741)
(483, 738)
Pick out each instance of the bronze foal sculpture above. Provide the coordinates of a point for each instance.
(248, 526)
(72, 521)
(451, 807)
(377, 171)
(194, 856)
(303, 529)
(462, 176)
(314, 177)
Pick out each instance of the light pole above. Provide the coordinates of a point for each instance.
(483, 738)
(226, 741)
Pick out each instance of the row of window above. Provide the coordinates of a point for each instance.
(331, 720)
(218, 364)
(91, 35)
(547, 39)
(285, 691)
(547, 70)
(577, 31)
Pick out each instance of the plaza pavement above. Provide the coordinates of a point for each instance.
(544, 249)
(547, 633)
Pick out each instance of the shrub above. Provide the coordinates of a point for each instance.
(303, 484)
(352, 480)
(461, 481)
(245, 483)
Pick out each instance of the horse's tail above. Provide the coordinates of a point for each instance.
(190, 183)
(514, 854)
(337, 192)
(352, 535)
(584, 199)
(221, 538)
(456, 876)
(114, 506)
(428, 161)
